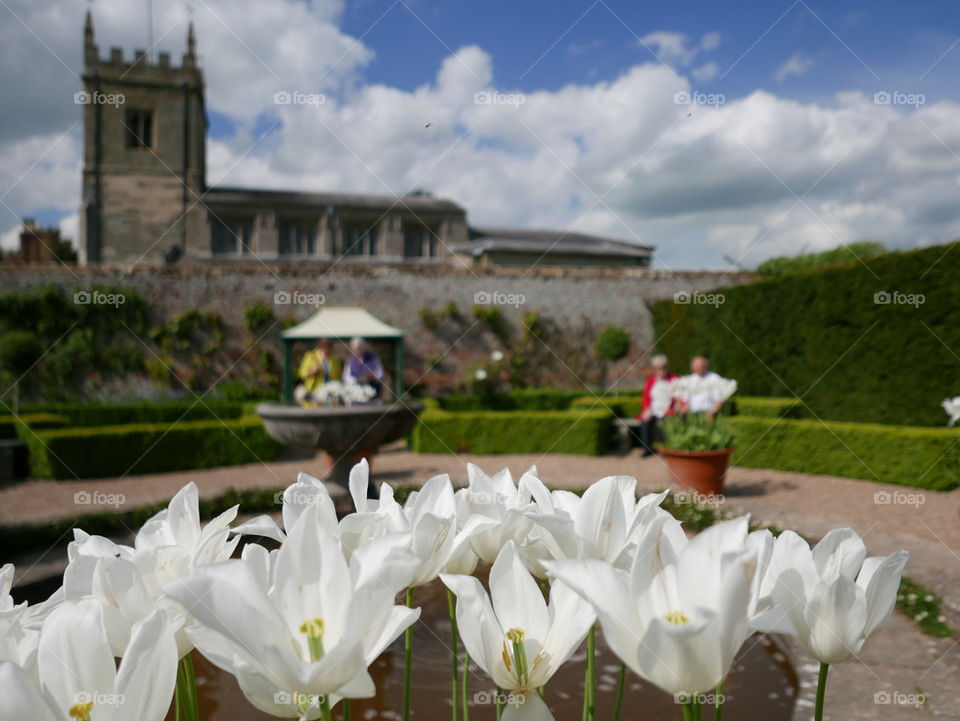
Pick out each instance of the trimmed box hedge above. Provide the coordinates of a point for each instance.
(84, 415)
(106, 451)
(905, 455)
(623, 406)
(15, 426)
(578, 432)
(528, 399)
(767, 407)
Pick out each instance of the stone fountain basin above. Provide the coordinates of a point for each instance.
(338, 430)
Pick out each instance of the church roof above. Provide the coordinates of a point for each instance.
(361, 201)
(521, 240)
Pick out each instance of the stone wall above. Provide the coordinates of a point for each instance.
(577, 302)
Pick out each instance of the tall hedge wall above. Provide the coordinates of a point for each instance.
(820, 335)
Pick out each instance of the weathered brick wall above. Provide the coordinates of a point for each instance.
(578, 301)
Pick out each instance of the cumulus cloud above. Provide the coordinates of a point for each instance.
(754, 176)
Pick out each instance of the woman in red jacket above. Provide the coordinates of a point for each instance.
(654, 408)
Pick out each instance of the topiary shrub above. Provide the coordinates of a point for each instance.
(612, 343)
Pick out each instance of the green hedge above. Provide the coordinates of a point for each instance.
(83, 415)
(65, 454)
(767, 407)
(623, 406)
(532, 399)
(821, 335)
(909, 456)
(579, 432)
(15, 426)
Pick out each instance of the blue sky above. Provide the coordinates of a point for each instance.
(796, 154)
(898, 41)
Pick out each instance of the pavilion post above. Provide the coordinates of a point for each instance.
(398, 367)
(287, 371)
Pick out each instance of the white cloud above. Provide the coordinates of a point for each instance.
(706, 72)
(795, 66)
(617, 156)
(675, 49)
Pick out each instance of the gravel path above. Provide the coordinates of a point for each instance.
(893, 667)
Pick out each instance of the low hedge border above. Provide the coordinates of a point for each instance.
(104, 451)
(527, 399)
(623, 406)
(758, 407)
(129, 412)
(913, 456)
(16, 426)
(585, 433)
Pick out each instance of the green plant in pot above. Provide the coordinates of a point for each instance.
(697, 446)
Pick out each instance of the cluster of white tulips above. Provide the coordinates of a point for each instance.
(299, 626)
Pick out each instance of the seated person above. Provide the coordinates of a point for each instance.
(318, 366)
(655, 406)
(364, 367)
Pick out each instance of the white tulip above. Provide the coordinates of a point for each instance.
(513, 634)
(307, 636)
(431, 519)
(952, 408)
(79, 678)
(832, 598)
(678, 617)
(496, 498)
(305, 492)
(603, 524)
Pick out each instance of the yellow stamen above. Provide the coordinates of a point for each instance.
(81, 711)
(314, 629)
(677, 618)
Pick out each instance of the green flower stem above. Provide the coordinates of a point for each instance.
(455, 655)
(499, 704)
(590, 677)
(621, 683)
(718, 703)
(186, 690)
(821, 691)
(347, 711)
(463, 687)
(407, 661)
(325, 714)
(688, 712)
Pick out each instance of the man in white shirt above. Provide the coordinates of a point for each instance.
(707, 401)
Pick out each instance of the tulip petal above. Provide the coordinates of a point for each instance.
(880, 580)
(74, 657)
(20, 700)
(525, 707)
(840, 551)
(836, 613)
(571, 616)
(517, 599)
(479, 628)
(148, 671)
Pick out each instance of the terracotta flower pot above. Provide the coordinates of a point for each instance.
(700, 471)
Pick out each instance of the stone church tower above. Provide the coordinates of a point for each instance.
(143, 169)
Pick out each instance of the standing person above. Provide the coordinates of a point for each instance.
(707, 401)
(364, 366)
(654, 406)
(318, 366)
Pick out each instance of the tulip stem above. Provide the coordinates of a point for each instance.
(688, 712)
(821, 691)
(499, 703)
(186, 690)
(718, 703)
(325, 714)
(347, 711)
(621, 683)
(590, 677)
(454, 653)
(407, 661)
(463, 687)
